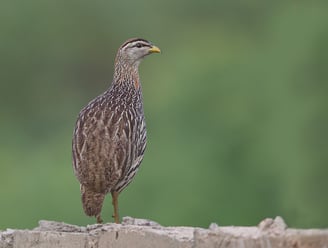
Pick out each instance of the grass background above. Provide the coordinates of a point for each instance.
(236, 108)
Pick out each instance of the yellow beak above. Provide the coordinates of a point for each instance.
(154, 49)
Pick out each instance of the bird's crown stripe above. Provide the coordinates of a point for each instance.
(136, 40)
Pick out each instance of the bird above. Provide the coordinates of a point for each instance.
(109, 139)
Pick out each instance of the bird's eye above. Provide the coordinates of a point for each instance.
(139, 45)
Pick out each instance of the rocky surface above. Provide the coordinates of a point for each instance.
(145, 233)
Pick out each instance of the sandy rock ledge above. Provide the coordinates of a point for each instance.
(145, 233)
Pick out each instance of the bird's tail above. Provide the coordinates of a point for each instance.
(92, 201)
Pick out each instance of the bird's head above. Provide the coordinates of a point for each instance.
(133, 50)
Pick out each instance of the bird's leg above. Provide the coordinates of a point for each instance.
(99, 220)
(115, 205)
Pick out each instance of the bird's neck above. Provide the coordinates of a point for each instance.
(126, 74)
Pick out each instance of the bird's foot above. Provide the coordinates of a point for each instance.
(99, 219)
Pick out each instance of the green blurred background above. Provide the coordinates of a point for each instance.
(236, 108)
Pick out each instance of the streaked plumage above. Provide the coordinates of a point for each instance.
(110, 133)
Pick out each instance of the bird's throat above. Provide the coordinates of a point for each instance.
(127, 75)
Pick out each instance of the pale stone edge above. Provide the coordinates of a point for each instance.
(145, 233)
